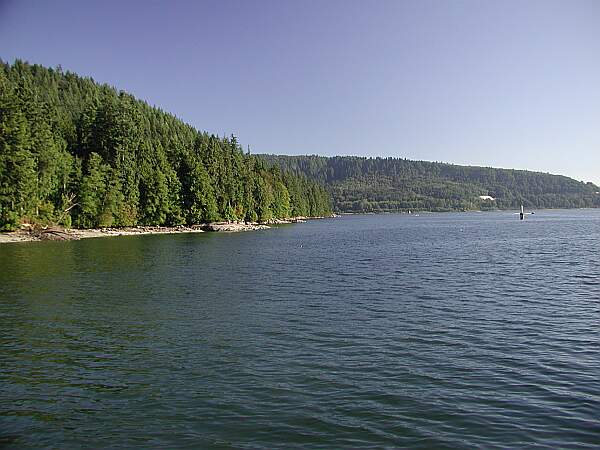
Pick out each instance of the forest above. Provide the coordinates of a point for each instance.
(359, 184)
(82, 154)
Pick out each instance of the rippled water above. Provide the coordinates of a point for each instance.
(438, 331)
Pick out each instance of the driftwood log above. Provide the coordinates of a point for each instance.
(55, 234)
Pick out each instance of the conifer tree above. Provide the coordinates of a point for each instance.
(78, 153)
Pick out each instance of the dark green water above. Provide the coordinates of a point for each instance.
(438, 331)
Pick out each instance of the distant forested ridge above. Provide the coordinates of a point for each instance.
(82, 154)
(360, 184)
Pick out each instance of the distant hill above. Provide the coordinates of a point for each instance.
(359, 184)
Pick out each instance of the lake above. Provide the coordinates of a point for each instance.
(457, 330)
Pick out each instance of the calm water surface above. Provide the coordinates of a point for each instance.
(466, 330)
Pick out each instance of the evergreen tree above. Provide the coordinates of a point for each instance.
(75, 152)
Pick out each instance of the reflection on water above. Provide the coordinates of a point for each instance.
(444, 330)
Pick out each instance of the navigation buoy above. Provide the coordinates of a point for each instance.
(522, 213)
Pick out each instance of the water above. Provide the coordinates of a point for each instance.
(439, 331)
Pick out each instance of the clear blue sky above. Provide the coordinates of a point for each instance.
(504, 83)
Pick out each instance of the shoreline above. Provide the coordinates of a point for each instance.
(30, 234)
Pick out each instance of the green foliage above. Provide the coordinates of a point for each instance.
(76, 152)
(389, 184)
(18, 175)
(202, 204)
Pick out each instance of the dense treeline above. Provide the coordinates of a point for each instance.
(392, 184)
(82, 154)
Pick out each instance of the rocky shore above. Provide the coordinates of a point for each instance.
(31, 234)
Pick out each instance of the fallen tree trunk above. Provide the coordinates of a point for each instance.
(56, 234)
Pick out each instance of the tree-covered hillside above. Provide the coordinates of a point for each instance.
(79, 153)
(391, 184)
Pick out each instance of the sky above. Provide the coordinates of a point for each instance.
(502, 83)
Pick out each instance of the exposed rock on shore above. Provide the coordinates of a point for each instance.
(29, 233)
(132, 231)
(234, 226)
(285, 221)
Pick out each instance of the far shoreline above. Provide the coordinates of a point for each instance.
(74, 234)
